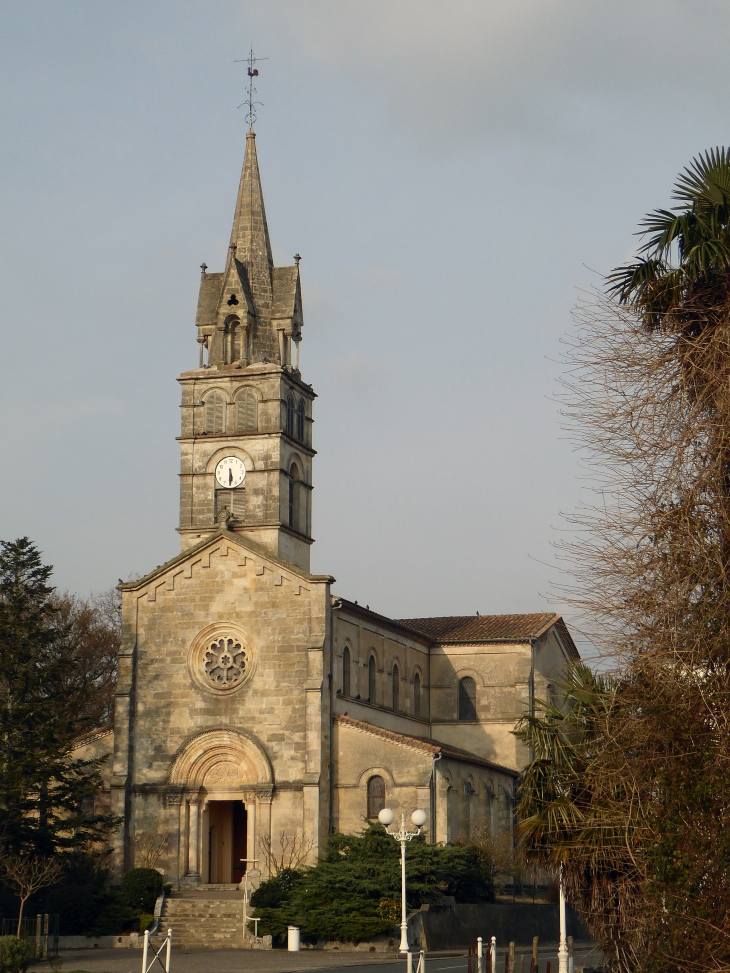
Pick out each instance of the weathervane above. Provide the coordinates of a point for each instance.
(252, 73)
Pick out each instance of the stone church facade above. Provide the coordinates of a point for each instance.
(253, 703)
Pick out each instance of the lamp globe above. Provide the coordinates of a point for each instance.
(386, 817)
(419, 818)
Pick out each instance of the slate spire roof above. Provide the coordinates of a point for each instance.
(250, 287)
(250, 232)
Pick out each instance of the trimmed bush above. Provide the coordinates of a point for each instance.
(145, 921)
(140, 888)
(15, 955)
(354, 893)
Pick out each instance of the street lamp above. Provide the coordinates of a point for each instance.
(563, 947)
(418, 818)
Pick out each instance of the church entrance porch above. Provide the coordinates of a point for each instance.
(226, 832)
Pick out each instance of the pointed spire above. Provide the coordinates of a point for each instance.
(250, 234)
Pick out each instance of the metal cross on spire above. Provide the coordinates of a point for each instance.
(252, 73)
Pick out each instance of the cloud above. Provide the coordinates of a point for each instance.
(479, 69)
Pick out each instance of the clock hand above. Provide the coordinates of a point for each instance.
(230, 477)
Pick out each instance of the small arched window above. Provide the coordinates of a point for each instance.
(346, 671)
(396, 688)
(246, 409)
(300, 421)
(376, 796)
(215, 412)
(417, 696)
(294, 496)
(467, 699)
(234, 341)
(290, 415)
(372, 675)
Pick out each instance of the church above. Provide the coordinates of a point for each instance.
(254, 707)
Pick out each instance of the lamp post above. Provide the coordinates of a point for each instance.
(418, 818)
(563, 947)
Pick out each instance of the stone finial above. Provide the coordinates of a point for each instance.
(297, 258)
(203, 268)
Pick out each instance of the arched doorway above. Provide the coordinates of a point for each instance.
(227, 787)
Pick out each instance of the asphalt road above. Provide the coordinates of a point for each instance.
(281, 961)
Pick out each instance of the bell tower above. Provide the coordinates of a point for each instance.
(246, 438)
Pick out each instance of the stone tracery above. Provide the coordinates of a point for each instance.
(225, 662)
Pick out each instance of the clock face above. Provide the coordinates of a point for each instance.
(230, 472)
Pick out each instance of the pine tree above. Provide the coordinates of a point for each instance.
(44, 684)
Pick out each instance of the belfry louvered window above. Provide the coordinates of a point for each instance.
(246, 407)
(215, 412)
(294, 497)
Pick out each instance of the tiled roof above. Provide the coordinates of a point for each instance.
(482, 628)
(418, 743)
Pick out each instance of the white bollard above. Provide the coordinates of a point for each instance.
(293, 939)
(480, 955)
(169, 950)
(409, 962)
(493, 954)
(146, 947)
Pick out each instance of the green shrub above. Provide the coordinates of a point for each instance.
(354, 893)
(114, 916)
(145, 921)
(140, 888)
(15, 954)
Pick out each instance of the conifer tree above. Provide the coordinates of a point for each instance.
(44, 683)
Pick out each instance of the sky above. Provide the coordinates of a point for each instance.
(454, 174)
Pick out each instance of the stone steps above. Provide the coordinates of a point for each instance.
(201, 921)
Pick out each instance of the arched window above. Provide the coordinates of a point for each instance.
(467, 699)
(372, 676)
(417, 696)
(346, 671)
(294, 496)
(234, 340)
(396, 688)
(469, 793)
(300, 420)
(376, 796)
(215, 412)
(246, 408)
(290, 415)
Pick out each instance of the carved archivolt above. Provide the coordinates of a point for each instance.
(221, 758)
(221, 659)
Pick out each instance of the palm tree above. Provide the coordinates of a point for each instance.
(687, 253)
(575, 806)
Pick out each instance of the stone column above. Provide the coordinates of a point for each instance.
(252, 840)
(175, 831)
(263, 823)
(193, 842)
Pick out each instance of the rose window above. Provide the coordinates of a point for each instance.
(225, 661)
